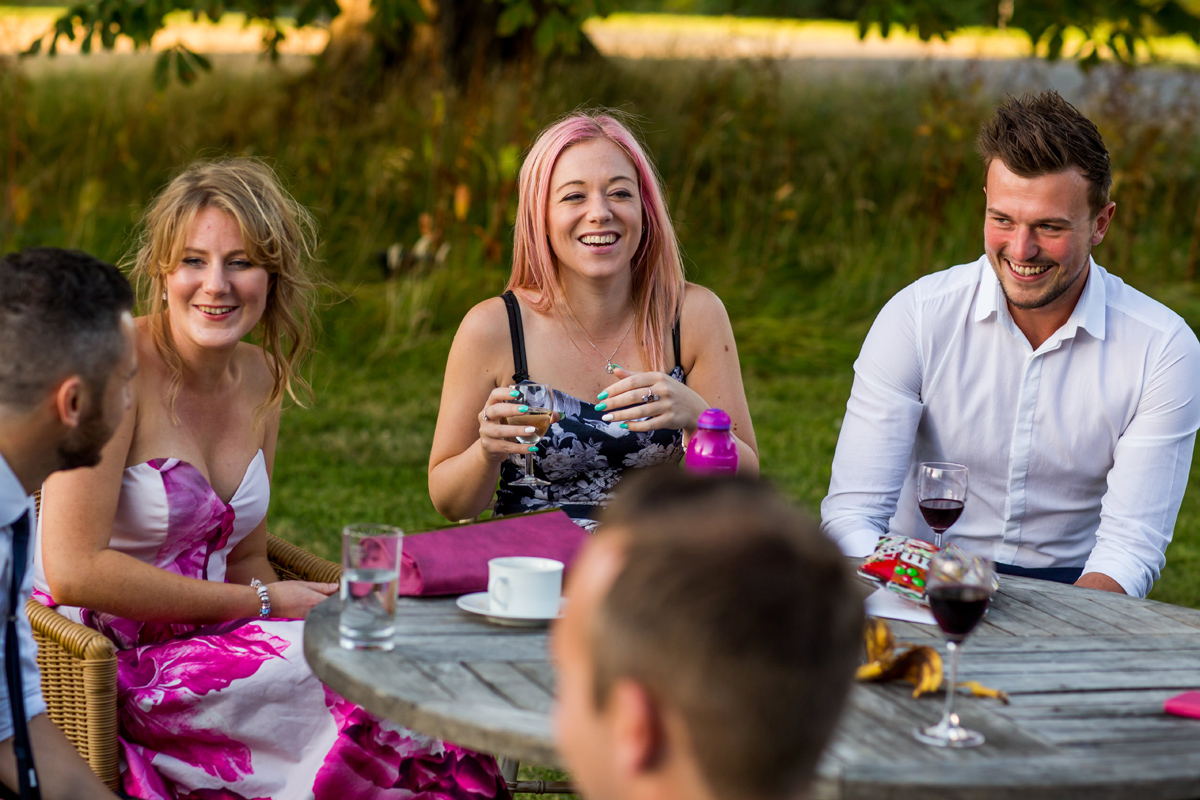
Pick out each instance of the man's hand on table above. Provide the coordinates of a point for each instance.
(1098, 580)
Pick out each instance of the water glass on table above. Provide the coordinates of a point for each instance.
(959, 587)
(370, 580)
(941, 495)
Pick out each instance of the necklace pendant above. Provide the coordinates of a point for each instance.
(610, 368)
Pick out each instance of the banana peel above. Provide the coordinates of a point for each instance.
(920, 665)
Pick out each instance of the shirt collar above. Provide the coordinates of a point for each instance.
(13, 500)
(1089, 312)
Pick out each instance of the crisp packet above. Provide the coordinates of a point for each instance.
(899, 564)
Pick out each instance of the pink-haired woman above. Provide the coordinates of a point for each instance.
(597, 307)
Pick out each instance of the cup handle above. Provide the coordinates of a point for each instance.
(494, 592)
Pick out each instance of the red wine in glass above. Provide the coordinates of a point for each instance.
(958, 609)
(959, 589)
(941, 514)
(941, 495)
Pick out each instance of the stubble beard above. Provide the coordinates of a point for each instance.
(1052, 292)
(84, 445)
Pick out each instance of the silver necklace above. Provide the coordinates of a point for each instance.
(609, 366)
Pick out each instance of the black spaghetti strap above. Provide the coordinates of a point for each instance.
(517, 334)
(675, 340)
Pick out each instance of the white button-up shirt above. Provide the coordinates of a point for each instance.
(1078, 452)
(13, 503)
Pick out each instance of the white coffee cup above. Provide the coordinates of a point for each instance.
(524, 586)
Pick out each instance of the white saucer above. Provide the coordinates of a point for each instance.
(477, 603)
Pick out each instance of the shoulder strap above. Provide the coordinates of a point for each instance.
(675, 341)
(517, 334)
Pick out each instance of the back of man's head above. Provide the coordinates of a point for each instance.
(1042, 134)
(60, 315)
(733, 609)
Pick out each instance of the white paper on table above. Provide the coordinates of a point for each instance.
(882, 603)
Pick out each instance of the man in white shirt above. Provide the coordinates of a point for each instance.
(67, 355)
(708, 645)
(1070, 396)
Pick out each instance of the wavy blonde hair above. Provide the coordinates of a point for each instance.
(658, 281)
(279, 235)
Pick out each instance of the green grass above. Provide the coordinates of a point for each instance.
(804, 199)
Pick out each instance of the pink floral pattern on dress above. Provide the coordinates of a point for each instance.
(232, 711)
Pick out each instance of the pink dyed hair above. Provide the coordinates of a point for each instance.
(657, 267)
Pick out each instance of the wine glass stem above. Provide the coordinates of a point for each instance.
(948, 712)
(937, 539)
(529, 464)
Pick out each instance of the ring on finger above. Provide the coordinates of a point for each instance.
(650, 397)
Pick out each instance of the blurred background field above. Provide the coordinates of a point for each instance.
(805, 193)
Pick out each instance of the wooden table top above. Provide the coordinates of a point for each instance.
(1086, 672)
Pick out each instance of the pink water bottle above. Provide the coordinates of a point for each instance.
(712, 450)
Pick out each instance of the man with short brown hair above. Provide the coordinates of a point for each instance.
(708, 645)
(1070, 396)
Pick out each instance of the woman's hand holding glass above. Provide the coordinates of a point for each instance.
(497, 438)
(647, 401)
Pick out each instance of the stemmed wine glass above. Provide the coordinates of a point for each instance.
(941, 494)
(959, 589)
(539, 397)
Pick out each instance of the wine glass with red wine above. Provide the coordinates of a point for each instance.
(959, 588)
(941, 495)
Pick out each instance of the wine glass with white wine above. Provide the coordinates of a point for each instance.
(538, 399)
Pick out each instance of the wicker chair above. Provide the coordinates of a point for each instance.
(79, 665)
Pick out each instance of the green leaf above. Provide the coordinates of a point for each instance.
(162, 69)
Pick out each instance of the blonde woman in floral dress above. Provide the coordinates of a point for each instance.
(162, 546)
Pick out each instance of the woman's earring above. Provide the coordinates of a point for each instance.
(164, 295)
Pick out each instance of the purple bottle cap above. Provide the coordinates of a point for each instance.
(714, 419)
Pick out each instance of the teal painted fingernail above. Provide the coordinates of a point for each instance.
(617, 366)
(602, 396)
(601, 406)
(523, 409)
(625, 425)
(533, 449)
(514, 393)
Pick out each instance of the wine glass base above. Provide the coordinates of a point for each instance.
(529, 480)
(945, 734)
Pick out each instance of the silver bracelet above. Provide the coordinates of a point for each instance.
(264, 598)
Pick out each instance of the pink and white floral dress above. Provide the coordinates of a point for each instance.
(232, 711)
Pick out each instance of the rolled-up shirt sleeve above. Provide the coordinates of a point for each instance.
(878, 431)
(1150, 469)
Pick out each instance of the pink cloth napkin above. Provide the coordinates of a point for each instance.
(455, 560)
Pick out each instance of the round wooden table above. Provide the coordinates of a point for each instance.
(1086, 671)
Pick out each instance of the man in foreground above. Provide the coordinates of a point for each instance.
(67, 355)
(1070, 397)
(708, 645)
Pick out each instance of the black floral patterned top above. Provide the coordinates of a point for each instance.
(581, 455)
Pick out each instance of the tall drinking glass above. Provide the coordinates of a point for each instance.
(370, 580)
(539, 398)
(959, 589)
(941, 494)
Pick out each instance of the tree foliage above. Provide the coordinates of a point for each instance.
(1120, 29)
(542, 27)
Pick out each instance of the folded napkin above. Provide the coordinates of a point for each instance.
(455, 560)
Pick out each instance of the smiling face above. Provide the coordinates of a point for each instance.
(215, 295)
(594, 214)
(1038, 234)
